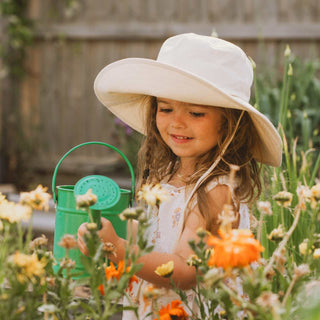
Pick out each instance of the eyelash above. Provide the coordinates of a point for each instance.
(197, 114)
(193, 114)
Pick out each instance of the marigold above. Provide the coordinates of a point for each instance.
(112, 272)
(173, 311)
(238, 248)
(165, 270)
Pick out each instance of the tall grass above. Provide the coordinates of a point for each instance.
(292, 104)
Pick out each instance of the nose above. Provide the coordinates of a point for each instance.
(178, 120)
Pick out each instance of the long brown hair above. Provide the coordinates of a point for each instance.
(156, 161)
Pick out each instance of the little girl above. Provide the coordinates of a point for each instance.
(192, 103)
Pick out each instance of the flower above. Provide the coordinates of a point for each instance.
(151, 292)
(153, 195)
(14, 212)
(67, 263)
(237, 248)
(315, 198)
(109, 248)
(276, 234)
(2, 198)
(29, 266)
(37, 242)
(300, 271)
(130, 213)
(268, 300)
(303, 246)
(193, 260)
(173, 311)
(304, 195)
(264, 207)
(86, 200)
(68, 241)
(316, 253)
(165, 270)
(37, 199)
(283, 198)
(111, 272)
(92, 226)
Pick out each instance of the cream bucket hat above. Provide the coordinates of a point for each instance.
(190, 68)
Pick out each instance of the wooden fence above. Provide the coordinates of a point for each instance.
(56, 103)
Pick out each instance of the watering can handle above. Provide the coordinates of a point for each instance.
(90, 143)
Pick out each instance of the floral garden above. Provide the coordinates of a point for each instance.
(277, 261)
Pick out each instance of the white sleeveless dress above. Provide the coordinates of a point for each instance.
(163, 233)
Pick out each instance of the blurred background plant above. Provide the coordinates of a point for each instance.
(293, 103)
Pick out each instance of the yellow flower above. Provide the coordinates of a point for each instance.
(316, 253)
(2, 198)
(13, 212)
(29, 266)
(165, 270)
(37, 199)
(152, 195)
(283, 198)
(303, 247)
(315, 191)
(86, 200)
(276, 234)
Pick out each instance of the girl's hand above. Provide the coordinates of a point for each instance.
(106, 234)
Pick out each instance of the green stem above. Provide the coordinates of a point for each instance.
(284, 240)
(315, 171)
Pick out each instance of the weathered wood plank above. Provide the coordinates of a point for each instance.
(154, 31)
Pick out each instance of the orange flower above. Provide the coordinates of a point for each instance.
(175, 311)
(112, 272)
(237, 248)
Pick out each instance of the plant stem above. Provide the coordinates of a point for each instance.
(292, 283)
(284, 240)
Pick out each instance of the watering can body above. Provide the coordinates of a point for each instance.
(69, 218)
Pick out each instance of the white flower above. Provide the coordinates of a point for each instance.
(86, 200)
(14, 212)
(316, 253)
(264, 207)
(152, 195)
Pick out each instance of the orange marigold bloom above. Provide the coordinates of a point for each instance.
(173, 311)
(238, 248)
(112, 272)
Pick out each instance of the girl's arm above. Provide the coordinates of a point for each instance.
(183, 275)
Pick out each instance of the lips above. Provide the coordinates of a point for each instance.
(180, 139)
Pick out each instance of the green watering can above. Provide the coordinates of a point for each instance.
(111, 201)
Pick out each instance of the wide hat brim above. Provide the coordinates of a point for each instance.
(122, 87)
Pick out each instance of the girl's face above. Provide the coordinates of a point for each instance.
(190, 130)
